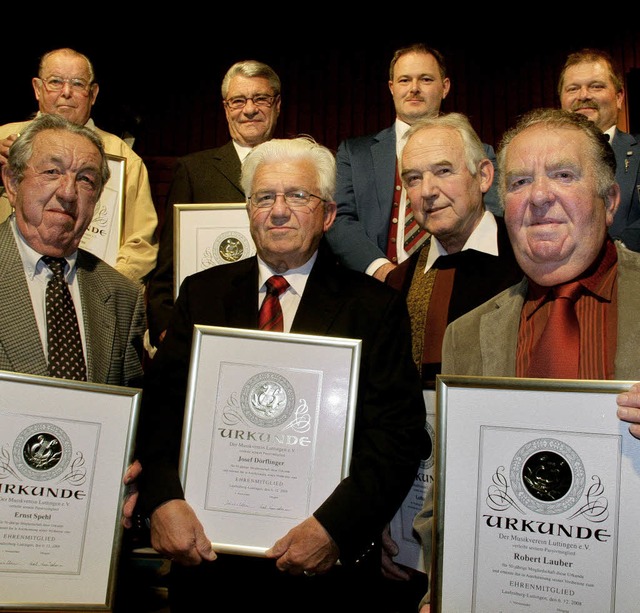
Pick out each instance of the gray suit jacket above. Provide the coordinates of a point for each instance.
(112, 308)
(483, 342)
(626, 223)
(366, 167)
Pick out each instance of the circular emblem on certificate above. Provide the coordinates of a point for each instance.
(267, 399)
(230, 247)
(42, 451)
(547, 476)
(428, 462)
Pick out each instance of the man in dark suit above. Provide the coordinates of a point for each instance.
(251, 99)
(591, 84)
(368, 234)
(53, 178)
(466, 260)
(289, 185)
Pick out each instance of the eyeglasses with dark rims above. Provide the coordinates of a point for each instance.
(239, 102)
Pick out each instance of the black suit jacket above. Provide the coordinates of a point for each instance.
(206, 176)
(389, 436)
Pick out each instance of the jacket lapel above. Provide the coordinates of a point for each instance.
(19, 335)
(502, 323)
(99, 320)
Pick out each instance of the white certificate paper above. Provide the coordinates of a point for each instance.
(207, 235)
(64, 447)
(268, 431)
(537, 495)
(104, 234)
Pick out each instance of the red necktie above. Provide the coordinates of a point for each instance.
(557, 353)
(270, 316)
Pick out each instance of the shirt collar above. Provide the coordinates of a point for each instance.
(401, 129)
(598, 279)
(484, 238)
(33, 265)
(297, 277)
(241, 150)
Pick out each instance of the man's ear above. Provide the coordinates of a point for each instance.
(330, 209)
(611, 203)
(10, 184)
(486, 172)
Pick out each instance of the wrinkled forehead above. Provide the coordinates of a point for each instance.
(65, 149)
(65, 65)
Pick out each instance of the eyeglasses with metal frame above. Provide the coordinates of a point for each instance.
(239, 102)
(295, 199)
(56, 84)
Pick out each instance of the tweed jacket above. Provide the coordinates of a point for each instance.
(112, 309)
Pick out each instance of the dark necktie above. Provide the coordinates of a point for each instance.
(270, 316)
(557, 352)
(66, 358)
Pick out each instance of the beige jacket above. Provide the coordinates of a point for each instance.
(139, 249)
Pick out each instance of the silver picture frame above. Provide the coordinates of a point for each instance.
(536, 496)
(207, 235)
(64, 448)
(268, 431)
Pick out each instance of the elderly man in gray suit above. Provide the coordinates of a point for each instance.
(53, 178)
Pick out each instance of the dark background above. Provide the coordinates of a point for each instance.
(161, 82)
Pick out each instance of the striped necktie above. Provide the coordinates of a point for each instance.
(270, 316)
(414, 235)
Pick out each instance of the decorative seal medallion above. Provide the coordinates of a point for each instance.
(42, 451)
(267, 399)
(230, 247)
(547, 476)
(428, 462)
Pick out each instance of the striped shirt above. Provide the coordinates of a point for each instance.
(597, 313)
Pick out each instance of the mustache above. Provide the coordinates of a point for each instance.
(586, 104)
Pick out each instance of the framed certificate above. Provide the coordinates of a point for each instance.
(104, 234)
(64, 448)
(537, 497)
(401, 526)
(206, 235)
(268, 431)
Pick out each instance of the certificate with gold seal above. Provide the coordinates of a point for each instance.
(207, 235)
(268, 431)
(537, 492)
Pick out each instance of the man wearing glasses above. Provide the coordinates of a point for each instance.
(289, 186)
(66, 86)
(251, 99)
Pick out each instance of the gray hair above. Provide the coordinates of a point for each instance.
(599, 149)
(21, 150)
(290, 150)
(251, 68)
(474, 151)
